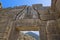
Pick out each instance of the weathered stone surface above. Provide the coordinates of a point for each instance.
(52, 27)
(58, 22)
(49, 22)
(52, 30)
(43, 12)
(4, 30)
(55, 15)
(54, 37)
(51, 16)
(43, 34)
(47, 17)
(28, 22)
(44, 17)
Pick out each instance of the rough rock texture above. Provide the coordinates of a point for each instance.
(53, 27)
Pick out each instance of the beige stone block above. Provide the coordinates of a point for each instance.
(43, 23)
(43, 12)
(52, 27)
(53, 37)
(43, 35)
(46, 17)
(56, 15)
(58, 22)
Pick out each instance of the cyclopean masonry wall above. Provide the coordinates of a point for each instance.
(53, 26)
(48, 19)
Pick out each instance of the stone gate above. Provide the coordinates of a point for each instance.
(36, 17)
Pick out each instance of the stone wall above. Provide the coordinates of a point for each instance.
(52, 26)
(48, 20)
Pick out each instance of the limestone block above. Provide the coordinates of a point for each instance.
(42, 12)
(52, 27)
(52, 30)
(53, 37)
(56, 15)
(1, 35)
(46, 17)
(43, 23)
(3, 27)
(58, 22)
(43, 35)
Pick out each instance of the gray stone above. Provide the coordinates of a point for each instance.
(47, 17)
(52, 27)
(43, 34)
(43, 12)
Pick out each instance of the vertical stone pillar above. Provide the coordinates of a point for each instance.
(14, 33)
(43, 35)
(52, 30)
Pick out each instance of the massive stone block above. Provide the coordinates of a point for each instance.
(52, 30)
(43, 33)
(43, 12)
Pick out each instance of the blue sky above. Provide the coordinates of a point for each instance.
(12, 3)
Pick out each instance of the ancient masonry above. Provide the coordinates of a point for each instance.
(35, 17)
